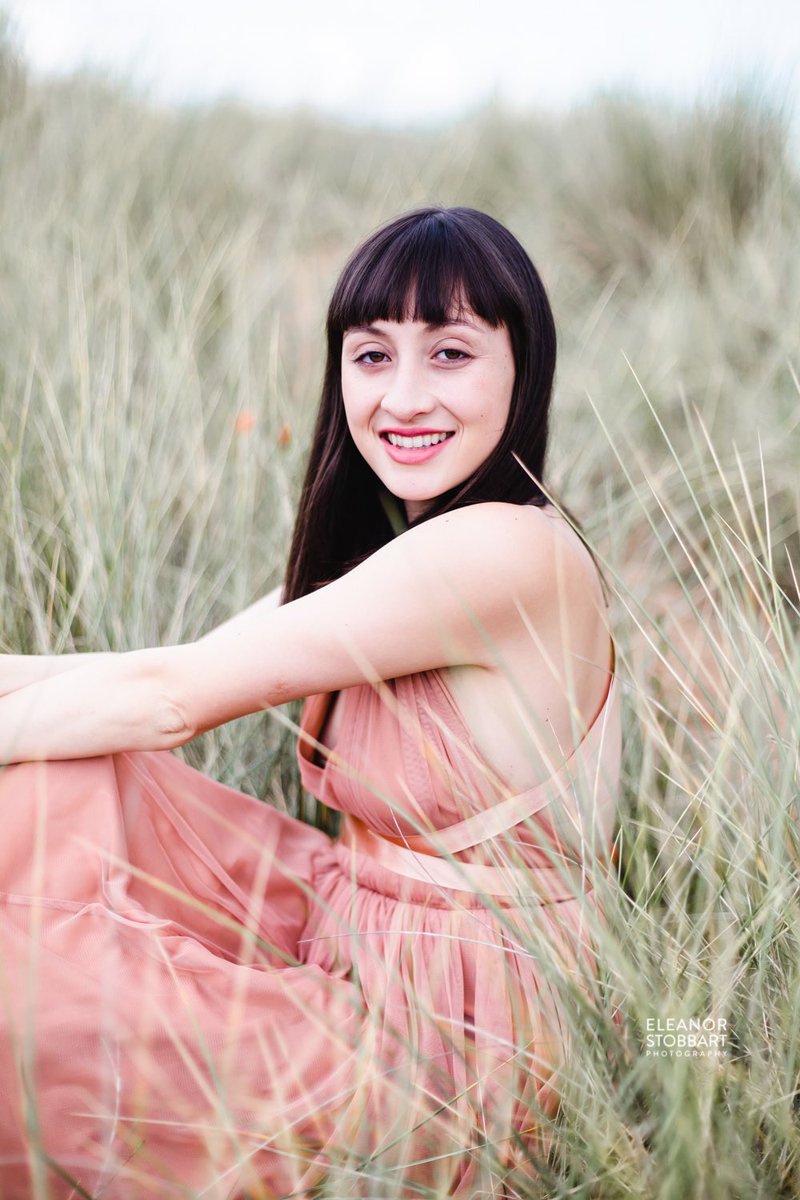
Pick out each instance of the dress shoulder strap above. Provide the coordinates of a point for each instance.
(503, 816)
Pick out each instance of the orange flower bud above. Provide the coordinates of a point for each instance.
(245, 421)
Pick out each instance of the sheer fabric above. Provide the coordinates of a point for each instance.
(203, 996)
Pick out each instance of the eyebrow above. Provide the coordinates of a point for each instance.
(429, 328)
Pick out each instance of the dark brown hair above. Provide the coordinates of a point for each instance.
(425, 265)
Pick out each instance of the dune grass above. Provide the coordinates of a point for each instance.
(161, 302)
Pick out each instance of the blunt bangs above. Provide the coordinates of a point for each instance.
(429, 269)
(428, 265)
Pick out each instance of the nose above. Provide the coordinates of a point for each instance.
(408, 391)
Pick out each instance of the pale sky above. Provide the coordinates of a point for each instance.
(416, 61)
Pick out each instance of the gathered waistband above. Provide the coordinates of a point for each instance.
(543, 884)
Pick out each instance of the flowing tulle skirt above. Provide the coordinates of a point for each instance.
(202, 996)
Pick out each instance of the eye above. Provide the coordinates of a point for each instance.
(452, 354)
(374, 357)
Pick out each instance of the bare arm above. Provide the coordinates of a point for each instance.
(57, 701)
(104, 704)
(21, 670)
(439, 594)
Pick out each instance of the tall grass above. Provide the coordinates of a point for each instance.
(162, 284)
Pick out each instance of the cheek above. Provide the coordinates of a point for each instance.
(492, 410)
(357, 417)
(504, 399)
(352, 406)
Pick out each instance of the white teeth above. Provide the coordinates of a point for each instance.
(410, 443)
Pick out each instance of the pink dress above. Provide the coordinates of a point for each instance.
(202, 996)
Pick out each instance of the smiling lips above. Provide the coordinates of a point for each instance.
(417, 438)
(407, 449)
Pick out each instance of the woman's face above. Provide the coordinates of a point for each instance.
(406, 379)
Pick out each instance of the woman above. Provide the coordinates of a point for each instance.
(205, 996)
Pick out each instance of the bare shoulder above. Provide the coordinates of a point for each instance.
(551, 656)
(514, 547)
(518, 568)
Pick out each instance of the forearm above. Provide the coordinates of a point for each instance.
(109, 703)
(21, 670)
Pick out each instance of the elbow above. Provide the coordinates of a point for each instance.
(165, 720)
(172, 727)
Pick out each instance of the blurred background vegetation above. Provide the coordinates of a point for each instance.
(163, 282)
(162, 294)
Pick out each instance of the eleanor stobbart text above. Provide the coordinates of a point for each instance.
(695, 1037)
